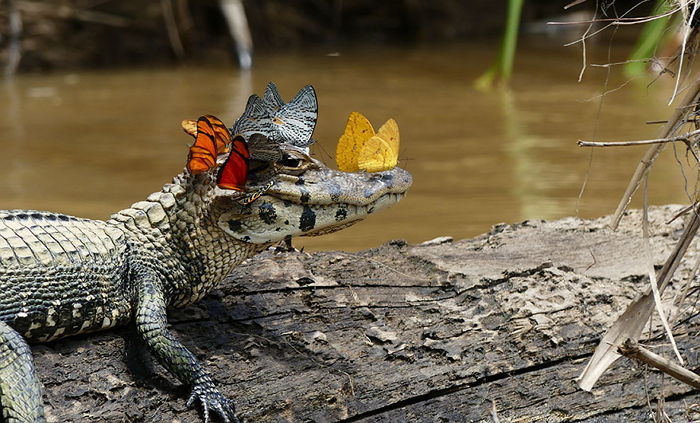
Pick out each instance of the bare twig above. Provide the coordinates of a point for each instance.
(682, 212)
(626, 62)
(585, 36)
(650, 156)
(685, 289)
(633, 350)
(634, 21)
(617, 21)
(683, 138)
(652, 273)
(574, 3)
(687, 30)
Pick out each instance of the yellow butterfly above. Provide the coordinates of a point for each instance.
(360, 148)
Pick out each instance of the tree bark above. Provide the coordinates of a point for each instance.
(494, 328)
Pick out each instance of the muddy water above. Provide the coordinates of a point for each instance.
(88, 144)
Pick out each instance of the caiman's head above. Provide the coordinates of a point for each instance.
(303, 196)
(306, 198)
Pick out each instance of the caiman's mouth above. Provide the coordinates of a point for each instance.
(355, 212)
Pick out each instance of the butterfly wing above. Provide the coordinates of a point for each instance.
(381, 152)
(295, 121)
(211, 139)
(262, 148)
(212, 124)
(272, 99)
(203, 152)
(357, 131)
(200, 160)
(189, 126)
(254, 119)
(234, 172)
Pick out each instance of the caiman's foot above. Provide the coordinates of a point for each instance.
(212, 399)
(285, 246)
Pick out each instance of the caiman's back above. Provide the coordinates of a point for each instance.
(60, 275)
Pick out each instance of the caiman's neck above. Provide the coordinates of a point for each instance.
(175, 227)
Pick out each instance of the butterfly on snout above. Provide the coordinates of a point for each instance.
(361, 148)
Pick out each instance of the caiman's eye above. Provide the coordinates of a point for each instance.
(294, 163)
(290, 162)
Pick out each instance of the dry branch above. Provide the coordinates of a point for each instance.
(633, 350)
(678, 118)
(684, 138)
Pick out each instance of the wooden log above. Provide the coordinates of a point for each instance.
(491, 328)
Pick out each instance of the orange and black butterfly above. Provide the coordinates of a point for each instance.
(211, 139)
(234, 172)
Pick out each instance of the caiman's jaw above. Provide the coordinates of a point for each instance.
(308, 199)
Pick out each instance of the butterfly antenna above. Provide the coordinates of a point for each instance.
(325, 154)
(407, 161)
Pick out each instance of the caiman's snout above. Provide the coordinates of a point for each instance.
(315, 203)
(394, 181)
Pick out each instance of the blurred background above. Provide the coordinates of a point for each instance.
(94, 92)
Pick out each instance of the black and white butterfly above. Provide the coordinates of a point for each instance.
(292, 122)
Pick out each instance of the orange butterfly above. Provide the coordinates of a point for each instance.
(211, 139)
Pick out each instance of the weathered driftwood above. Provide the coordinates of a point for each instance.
(401, 333)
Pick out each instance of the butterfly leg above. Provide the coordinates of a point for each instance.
(250, 197)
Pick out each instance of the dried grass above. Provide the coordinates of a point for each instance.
(681, 126)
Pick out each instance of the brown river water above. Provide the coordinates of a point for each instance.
(91, 143)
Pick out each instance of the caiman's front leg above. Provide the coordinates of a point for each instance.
(151, 321)
(20, 389)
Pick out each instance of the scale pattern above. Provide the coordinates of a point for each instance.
(60, 275)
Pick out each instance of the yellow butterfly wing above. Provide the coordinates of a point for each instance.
(357, 131)
(381, 152)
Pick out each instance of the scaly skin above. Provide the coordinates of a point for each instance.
(62, 275)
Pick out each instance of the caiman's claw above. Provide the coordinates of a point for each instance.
(212, 399)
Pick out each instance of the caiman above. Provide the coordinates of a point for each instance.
(62, 275)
